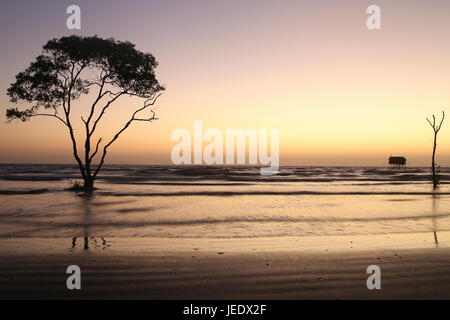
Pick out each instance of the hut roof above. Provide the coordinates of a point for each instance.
(397, 160)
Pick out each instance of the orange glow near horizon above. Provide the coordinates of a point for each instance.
(338, 93)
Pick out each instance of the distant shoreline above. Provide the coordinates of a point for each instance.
(222, 165)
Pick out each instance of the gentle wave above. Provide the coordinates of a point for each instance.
(19, 192)
(263, 193)
(129, 174)
(209, 221)
(230, 193)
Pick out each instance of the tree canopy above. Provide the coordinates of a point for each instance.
(46, 80)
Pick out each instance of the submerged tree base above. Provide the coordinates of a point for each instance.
(78, 186)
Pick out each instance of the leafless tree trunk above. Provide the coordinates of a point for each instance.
(436, 129)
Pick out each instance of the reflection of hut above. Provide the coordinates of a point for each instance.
(397, 162)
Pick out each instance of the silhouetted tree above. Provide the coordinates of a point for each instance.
(436, 129)
(70, 67)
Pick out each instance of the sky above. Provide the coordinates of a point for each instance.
(339, 93)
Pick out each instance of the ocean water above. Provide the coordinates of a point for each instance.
(221, 202)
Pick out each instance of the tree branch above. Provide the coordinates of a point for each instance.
(103, 111)
(49, 115)
(72, 136)
(430, 123)
(433, 125)
(442, 120)
(96, 150)
(147, 103)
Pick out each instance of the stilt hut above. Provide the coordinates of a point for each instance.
(397, 162)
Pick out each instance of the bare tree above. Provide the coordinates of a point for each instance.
(69, 68)
(436, 127)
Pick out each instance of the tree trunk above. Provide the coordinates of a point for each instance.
(88, 184)
(433, 165)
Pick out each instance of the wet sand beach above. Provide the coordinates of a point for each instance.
(223, 270)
